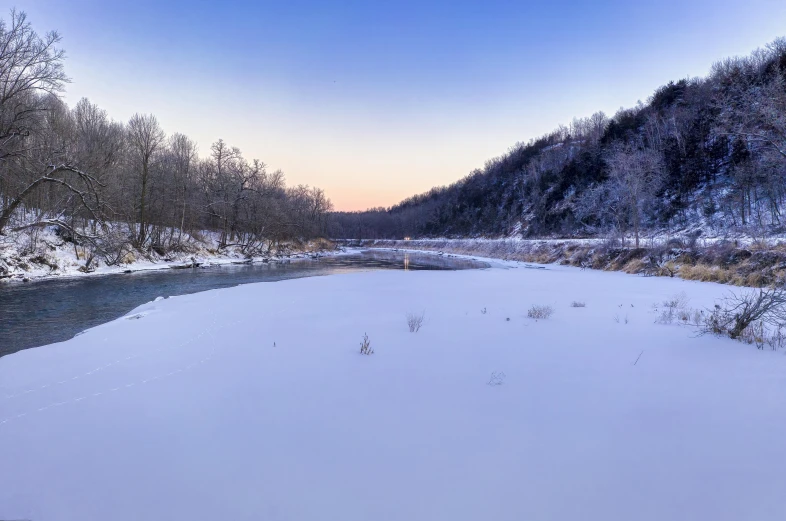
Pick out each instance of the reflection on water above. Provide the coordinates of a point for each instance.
(48, 311)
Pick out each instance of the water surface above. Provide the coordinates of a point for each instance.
(47, 311)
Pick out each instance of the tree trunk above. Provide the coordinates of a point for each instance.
(142, 224)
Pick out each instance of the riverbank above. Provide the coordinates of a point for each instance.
(254, 402)
(752, 263)
(50, 256)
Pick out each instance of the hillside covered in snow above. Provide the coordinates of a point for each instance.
(701, 156)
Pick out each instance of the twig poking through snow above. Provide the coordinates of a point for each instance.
(365, 346)
(497, 378)
(637, 358)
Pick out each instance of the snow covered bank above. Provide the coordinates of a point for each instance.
(254, 403)
(740, 263)
(49, 255)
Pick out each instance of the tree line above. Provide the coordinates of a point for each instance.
(700, 153)
(113, 187)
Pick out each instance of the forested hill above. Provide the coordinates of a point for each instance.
(702, 154)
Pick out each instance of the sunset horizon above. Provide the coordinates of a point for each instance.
(430, 93)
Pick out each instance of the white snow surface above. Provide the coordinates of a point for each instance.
(253, 403)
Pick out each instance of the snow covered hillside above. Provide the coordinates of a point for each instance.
(254, 403)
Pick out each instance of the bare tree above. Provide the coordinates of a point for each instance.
(34, 147)
(30, 65)
(72, 168)
(735, 313)
(635, 174)
(753, 101)
(182, 153)
(146, 139)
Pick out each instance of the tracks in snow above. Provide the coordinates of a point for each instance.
(209, 331)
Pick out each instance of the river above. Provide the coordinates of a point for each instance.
(53, 310)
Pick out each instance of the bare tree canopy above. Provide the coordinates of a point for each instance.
(700, 153)
(111, 187)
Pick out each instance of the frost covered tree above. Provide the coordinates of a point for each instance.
(146, 139)
(35, 146)
(720, 142)
(635, 176)
(110, 187)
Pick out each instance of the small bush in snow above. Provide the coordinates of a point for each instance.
(540, 312)
(755, 333)
(483, 311)
(577, 304)
(776, 339)
(365, 346)
(756, 317)
(497, 378)
(415, 321)
(678, 301)
(676, 308)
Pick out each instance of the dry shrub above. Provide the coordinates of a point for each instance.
(635, 266)
(776, 339)
(759, 334)
(667, 269)
(365, 346)
(538, 312)
(754, 280)
(43, 259)
(577, 304)
(497, 378)
(737, 316)
(320, 245)
(755, 333)
(415, 321)
(704, 273)
(675, 308)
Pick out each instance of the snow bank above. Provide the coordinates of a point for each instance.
(756, 265)
(253, 403)
(48, 256)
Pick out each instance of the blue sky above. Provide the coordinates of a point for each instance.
(375, 101)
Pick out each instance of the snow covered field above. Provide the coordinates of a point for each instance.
(253, 403)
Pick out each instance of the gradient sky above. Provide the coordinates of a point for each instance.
(376, 101)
